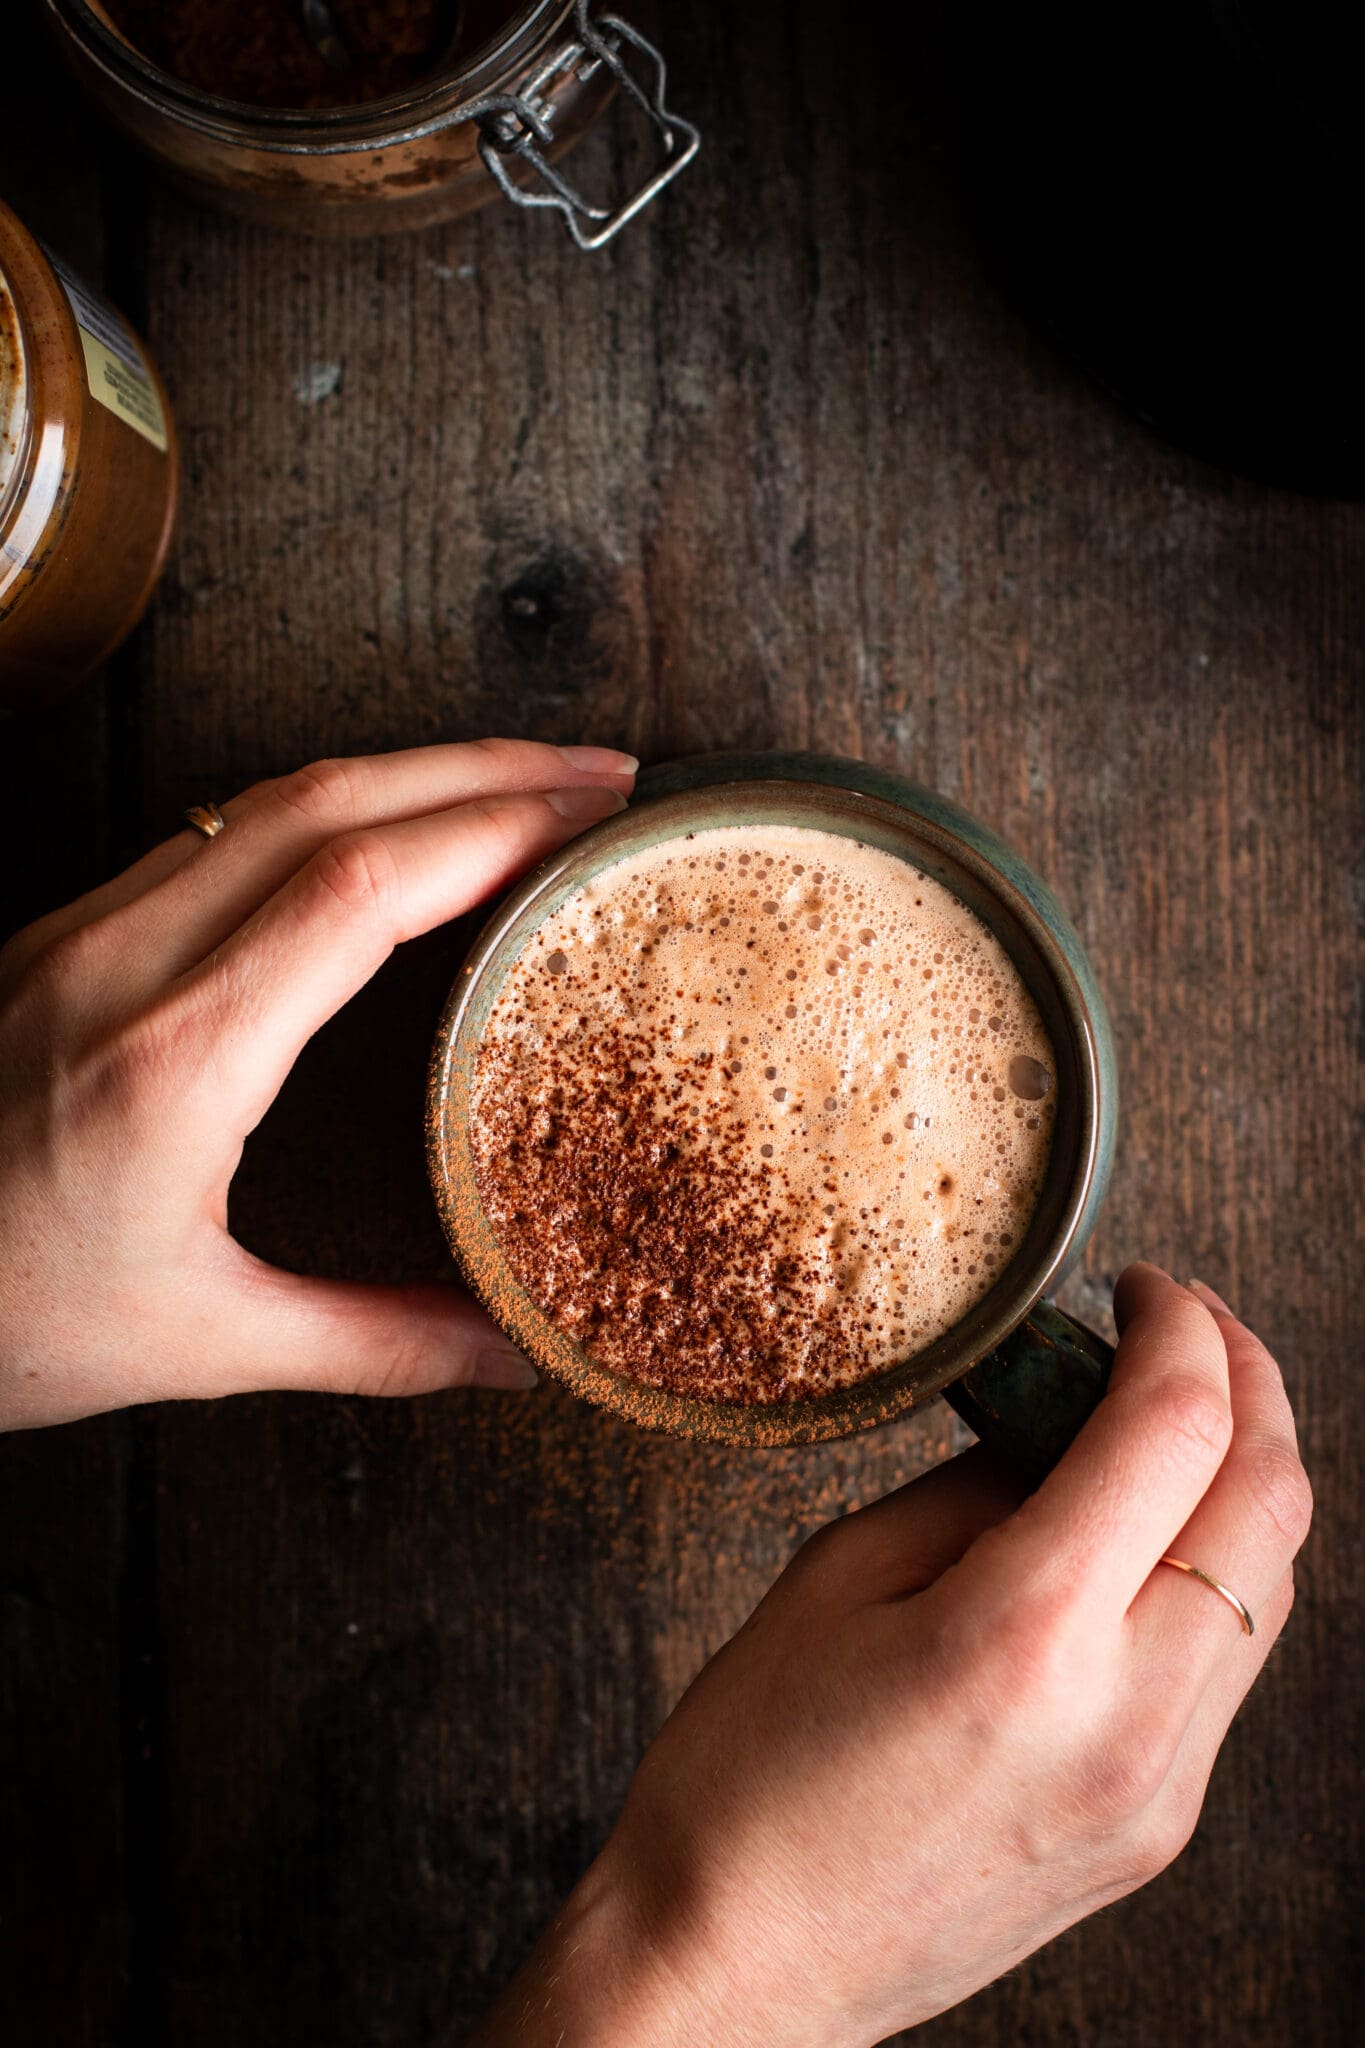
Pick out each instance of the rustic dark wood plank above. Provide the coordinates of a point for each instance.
(782, 468)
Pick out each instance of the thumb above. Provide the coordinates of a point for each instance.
(342, 1337)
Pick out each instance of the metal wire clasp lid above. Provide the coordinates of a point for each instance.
(519, 125)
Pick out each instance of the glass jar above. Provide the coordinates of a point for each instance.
(87, 474)
(495, 119)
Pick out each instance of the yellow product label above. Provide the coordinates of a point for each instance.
(116, 369)
(125, 388)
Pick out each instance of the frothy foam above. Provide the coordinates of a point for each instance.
(759, 1112)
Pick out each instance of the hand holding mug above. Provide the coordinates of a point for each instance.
(961, 1720)
(144, 1032)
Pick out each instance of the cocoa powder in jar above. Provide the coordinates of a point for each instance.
(258, 53)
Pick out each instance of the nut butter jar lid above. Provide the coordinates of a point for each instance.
(14, 396)
(88, 474)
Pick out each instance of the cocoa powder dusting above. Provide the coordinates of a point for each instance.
(656, 1246)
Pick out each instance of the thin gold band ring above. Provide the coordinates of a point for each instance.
(1238, 1607)
(206, 818)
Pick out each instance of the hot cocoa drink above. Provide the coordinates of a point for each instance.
(759, 1112)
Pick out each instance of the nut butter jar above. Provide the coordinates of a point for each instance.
(507, 86)
(87, 475)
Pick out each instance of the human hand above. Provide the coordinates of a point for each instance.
(144, 1032)
(959, 1722)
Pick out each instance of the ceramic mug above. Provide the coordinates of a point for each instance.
(1022, 1374)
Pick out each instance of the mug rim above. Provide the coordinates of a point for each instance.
(784, 783)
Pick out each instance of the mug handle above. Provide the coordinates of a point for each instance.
(1028, 1398)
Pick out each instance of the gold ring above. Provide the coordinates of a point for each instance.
(1238, 1607)
(206, 818)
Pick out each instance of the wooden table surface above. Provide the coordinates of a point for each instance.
(315, 1707)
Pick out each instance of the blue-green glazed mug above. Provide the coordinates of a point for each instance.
(1023, 1375)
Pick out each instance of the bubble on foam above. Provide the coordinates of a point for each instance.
(1029, 1078)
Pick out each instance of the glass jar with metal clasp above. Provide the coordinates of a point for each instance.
(514, 87)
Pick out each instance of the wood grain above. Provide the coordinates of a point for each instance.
(365, 1683)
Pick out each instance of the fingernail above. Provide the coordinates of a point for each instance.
(1205, 1293)
(599, 760)
(585, 803)
(505, 1369)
